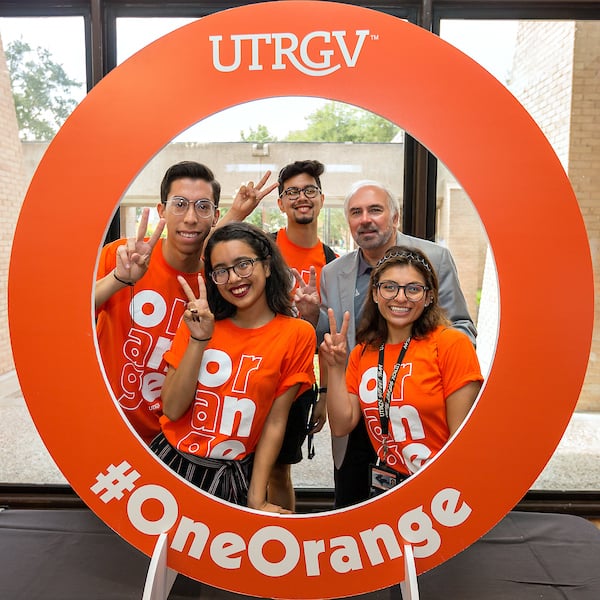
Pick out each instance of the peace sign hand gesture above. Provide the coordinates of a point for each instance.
(306, 296)
(198, 316)
(334, 348)
(248, 197)
(133, 257)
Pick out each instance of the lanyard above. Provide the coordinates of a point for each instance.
(383, 404)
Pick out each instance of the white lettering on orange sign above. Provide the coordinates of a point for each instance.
(380, 543)
(317, 54)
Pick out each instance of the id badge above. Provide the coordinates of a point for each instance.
(383, 478)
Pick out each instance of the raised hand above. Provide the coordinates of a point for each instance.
(133, 257)
(248, 197)
(334, 348)
(198, 316)
(306, 296)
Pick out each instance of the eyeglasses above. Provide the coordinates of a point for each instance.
(293, 193)
(388, 290)
(243, 268)
(204, 208)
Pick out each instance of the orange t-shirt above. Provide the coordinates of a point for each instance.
(302, 258)
(432, 369)
(243, 371)
(135, 328)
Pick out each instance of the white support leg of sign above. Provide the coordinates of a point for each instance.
(160, 578)
(409, 587)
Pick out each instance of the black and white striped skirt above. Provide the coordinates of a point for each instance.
(226, 479)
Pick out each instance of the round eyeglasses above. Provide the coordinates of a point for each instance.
(388, 290)
(204, 208)
(243, 268)
(293, 193)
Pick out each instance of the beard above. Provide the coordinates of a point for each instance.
(377, 238)
(304, 219)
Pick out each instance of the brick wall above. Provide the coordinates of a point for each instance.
(556, 77)
(541, 78)
(584, 173)
(460, 229)
(12, 189)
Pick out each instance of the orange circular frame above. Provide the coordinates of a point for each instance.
(472, 124)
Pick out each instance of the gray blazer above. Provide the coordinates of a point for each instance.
(338, 284)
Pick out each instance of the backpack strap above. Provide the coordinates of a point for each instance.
(329, 253)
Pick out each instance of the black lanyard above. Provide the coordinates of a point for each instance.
(383, 404)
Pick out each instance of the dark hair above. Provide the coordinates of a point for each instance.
(278, 284)
(314, 168)
(373, 328)
(192, 170)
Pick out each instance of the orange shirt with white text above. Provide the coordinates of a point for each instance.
(432, 369)
(135, 328)
(243, 371)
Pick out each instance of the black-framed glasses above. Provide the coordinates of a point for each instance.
(388, 290)
(204, 207)
(293, 193)
(243, 268)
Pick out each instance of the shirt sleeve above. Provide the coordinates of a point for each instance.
(298, 365)
(457, 360)
(179, 345)
(106, 263)
(352, 370)
(108, 259)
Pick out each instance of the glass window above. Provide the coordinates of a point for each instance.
(46, 63)
(551, 68)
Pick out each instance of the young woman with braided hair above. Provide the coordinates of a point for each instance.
(412, 376)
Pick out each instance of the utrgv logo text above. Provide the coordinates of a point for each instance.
(312, 55)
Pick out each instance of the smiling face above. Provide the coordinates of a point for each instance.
(186, 232)
(400, 312)
(372, 223)
(303, 210)
(245, 293)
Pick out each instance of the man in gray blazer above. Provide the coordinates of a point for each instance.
(373, 217)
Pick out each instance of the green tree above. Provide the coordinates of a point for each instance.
(42, 91)
(338, 122)
(259, 135)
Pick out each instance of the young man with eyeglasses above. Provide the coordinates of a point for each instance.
(373, 217)
(139, 301)
(300, 199)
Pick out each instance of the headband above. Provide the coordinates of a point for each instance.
(408, 256)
